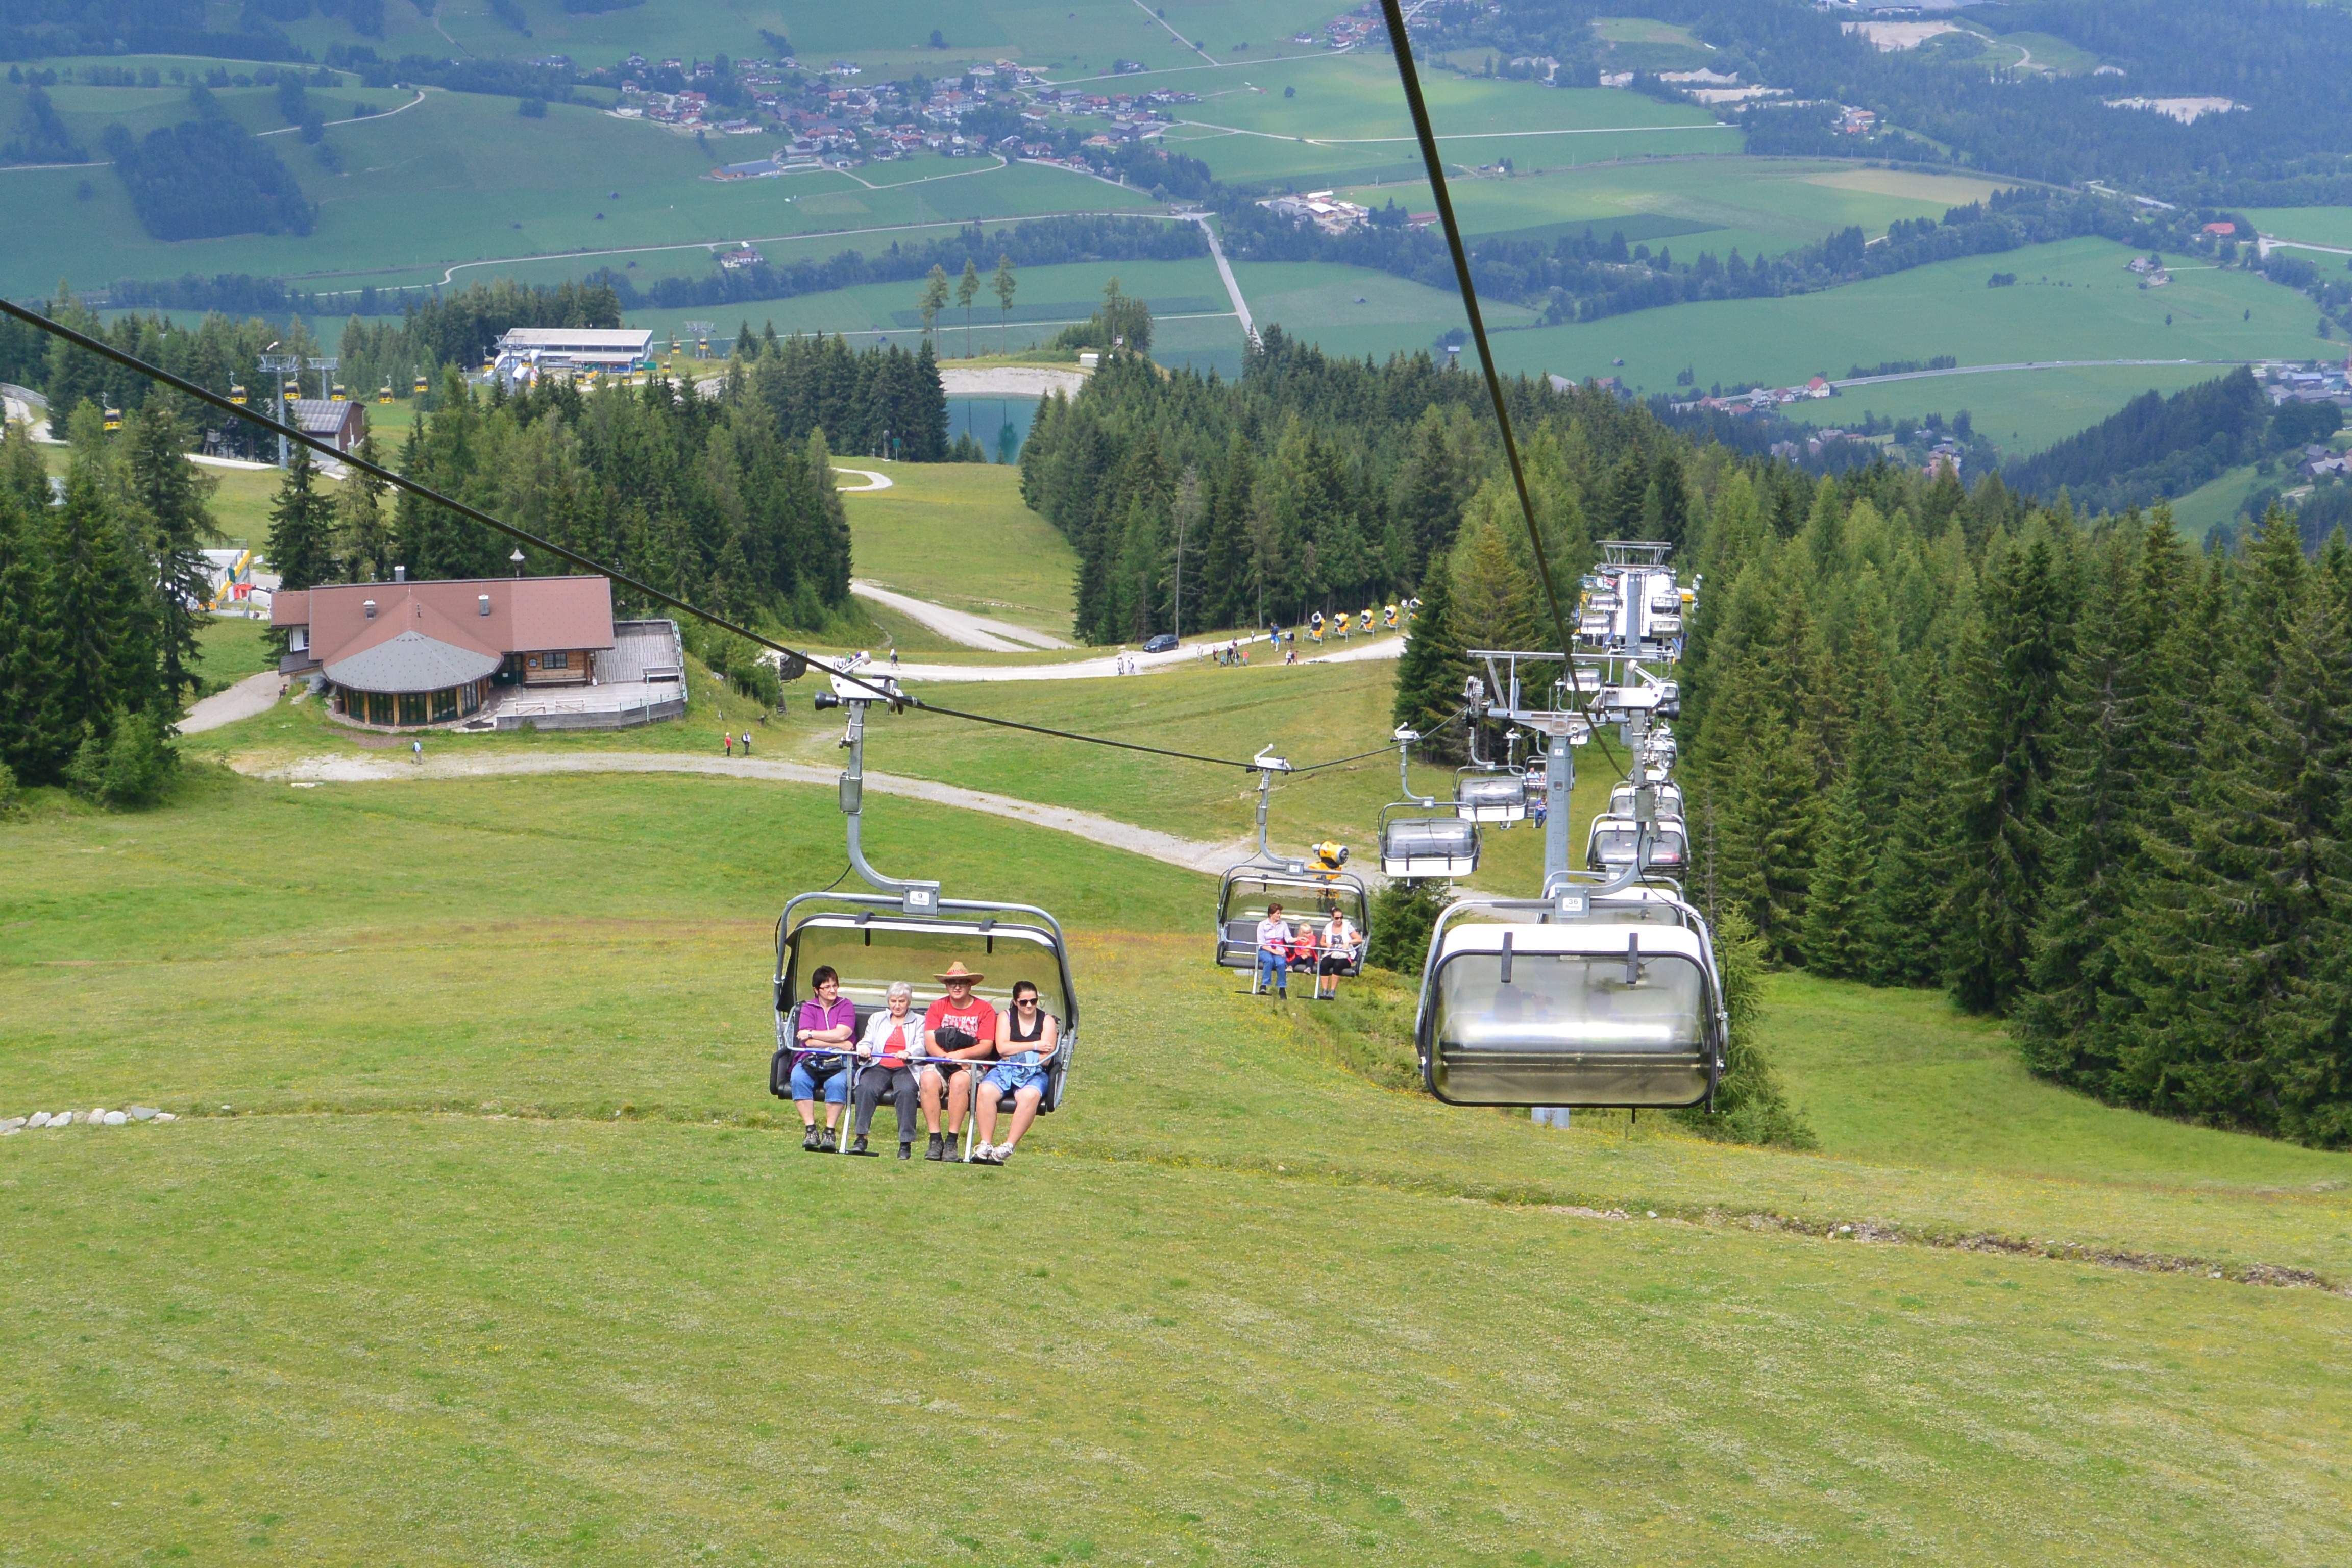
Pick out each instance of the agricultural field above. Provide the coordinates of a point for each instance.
(473, 1243)
(2214, 502)
(1347, 120)
(1754, 205)
(2330, 227)
(2021, 410)
(2073, 300)
(456, 187)
(1355, 311)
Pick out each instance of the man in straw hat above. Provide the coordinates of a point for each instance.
(959, 1028)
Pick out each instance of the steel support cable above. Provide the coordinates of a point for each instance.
(1400, 44)
(475, 514)
(1382, 750)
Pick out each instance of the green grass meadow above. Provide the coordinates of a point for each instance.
(500, 1252)
(957, 534)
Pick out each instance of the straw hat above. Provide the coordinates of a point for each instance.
(956, 971)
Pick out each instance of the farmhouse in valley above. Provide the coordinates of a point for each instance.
(483, 653)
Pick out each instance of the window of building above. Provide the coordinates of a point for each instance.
(412, 708)
(559, 661)
(535, 661)
(444, 705)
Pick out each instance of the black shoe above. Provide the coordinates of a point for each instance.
(810, 1141)
(906, 1151)
(951, 1149)
(859, 1147)
(828, 1141)
(936, 1151)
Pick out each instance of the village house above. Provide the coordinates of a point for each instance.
(342, 423)
(480, 652)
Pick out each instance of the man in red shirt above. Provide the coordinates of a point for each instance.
(959, 1028)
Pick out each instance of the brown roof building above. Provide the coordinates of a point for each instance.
(401, 655)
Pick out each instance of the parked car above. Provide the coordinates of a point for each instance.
(1164, 643)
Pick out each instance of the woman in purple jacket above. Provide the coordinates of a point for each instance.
(825, 1020)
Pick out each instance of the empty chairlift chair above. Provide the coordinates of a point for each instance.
(1416, 845)
(1611, 844)
(1500, 795)
(1578, 1000)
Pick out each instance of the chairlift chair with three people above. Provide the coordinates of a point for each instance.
(1318, 881)
(905, 930)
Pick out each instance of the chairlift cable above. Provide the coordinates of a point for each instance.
(425, 492)
(1375, 752)
(1400, 44)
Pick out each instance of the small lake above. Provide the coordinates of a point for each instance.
(985, 419)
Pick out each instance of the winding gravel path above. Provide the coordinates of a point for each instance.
(973, 631)
(254, 694)
(1193, 854)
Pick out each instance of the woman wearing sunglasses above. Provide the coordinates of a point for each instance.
(1030, 1035)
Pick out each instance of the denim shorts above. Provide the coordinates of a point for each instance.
(804, 1082)
(1016, 1073)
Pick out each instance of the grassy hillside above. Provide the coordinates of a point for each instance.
(502, 1255)
(957, 534)
(2023, 410)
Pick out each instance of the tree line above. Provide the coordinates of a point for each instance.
(727, 501)
(101, 590)
(1311, 483)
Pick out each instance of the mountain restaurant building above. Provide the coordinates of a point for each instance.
(403, 656)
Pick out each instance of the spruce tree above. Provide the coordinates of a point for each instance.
(172, 494)
(33, 743)
(1431, 669)
(1834, 940)
(363, 536)
(2013, 662)
(301, 545)
(101, 612)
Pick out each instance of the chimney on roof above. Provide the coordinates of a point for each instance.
(482, 604)
(400, 574)
(370, 607)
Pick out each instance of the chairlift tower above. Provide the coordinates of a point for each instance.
(701, 332)
(278, 366)
(326, 368)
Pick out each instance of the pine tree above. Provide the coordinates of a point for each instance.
(1431, 669)
(173, 495)
(101, 611)
(2013, 663)
(1834, 940)
(33, 741)
(363, 537)
(301, 545)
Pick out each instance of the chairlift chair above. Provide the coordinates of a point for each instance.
(1612, 842)
(1497, 794)
(1669, 798)
(1593, 996)
(1415, 846)
(1319, 882)
(904, 929)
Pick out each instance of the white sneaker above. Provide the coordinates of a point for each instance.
(980, 1154)
(1003, 1152)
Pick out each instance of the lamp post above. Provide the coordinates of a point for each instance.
(517, 559)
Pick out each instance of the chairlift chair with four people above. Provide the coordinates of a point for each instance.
(905, 930)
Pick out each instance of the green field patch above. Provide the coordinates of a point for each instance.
(2329, 226)
(2051, 53)
(1635, 227)
(1066, 310)
(2214, 502)
(2073, 301)
(958, 534)
(2019, 411)
(1759, 205)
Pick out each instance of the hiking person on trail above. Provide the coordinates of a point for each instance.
(726, 739)
(747, 742)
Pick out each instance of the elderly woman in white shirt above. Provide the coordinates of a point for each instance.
(894, 1038)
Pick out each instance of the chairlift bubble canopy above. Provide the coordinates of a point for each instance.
(1573, 1001)
(1496, 796)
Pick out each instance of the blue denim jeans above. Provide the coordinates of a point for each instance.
(1272, 969)
(804, 1082)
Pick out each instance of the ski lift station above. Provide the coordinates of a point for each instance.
(527, 352)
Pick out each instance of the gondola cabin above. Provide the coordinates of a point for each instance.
(1490, 797)
(419, 388)
(1423, 848)
(236, 395)
(113, 419)
(383, 392)
(1306, 898)
(1612, 1004)
(337, 395)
